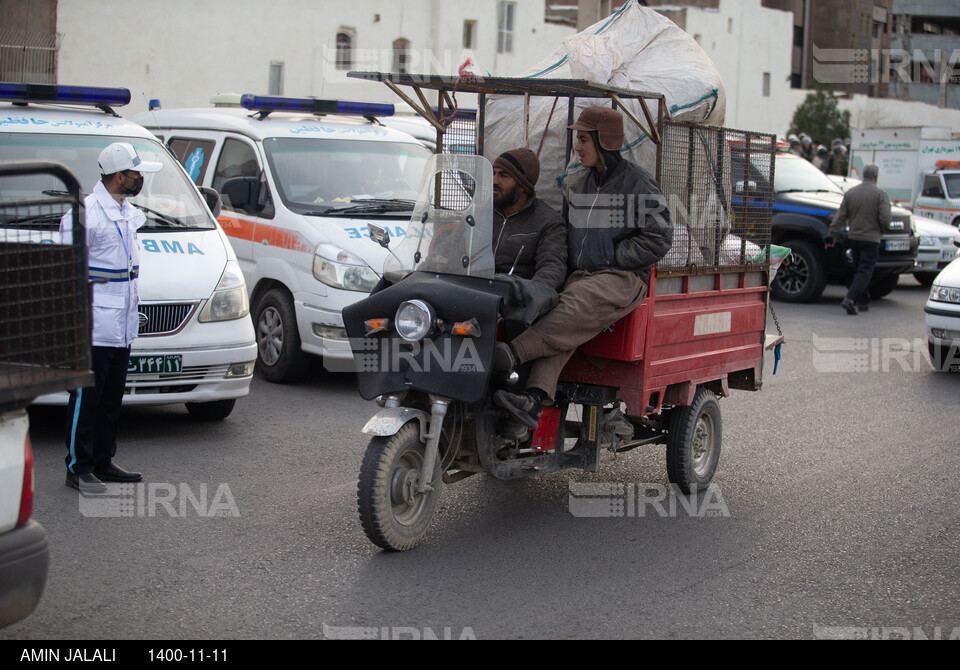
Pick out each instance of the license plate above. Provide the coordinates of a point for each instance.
(154, 365)
(948, 254)
(898, 245)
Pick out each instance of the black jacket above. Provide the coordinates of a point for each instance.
(620, 222)
(533, 242)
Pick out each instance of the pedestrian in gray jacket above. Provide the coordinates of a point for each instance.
(867, 207)
(619, 228)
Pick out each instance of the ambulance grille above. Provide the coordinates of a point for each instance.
(164, 318)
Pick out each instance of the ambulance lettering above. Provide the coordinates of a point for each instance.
(358, 233)
(168, 247)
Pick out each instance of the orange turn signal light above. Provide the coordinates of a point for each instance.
(376, 325)
(466, 328)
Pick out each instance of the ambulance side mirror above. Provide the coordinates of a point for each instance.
(242, 193)
(213, 200)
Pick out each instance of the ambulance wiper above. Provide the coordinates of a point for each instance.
(160, 216)
(371, 206)
(33, 222)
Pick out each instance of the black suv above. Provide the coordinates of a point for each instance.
(804, 203)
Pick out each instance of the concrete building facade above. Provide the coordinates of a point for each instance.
(926, 49)
(182, 52)
(748, 43)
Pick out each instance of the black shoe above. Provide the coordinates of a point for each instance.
(86, 483)
(863, 308)
(112, 473)
(504, 358)
(523, 407)
(849, 306)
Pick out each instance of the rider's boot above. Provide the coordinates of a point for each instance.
(504, 357)
(524, 407)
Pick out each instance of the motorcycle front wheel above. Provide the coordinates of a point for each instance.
(394, 515)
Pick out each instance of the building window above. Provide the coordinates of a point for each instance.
(344, 50)
(730, 25)
(275, 87)
(401, 55)
(766, 84)
(469, 34)
(506, 12)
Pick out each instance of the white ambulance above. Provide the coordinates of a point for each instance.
(300, 179)
(196, 343)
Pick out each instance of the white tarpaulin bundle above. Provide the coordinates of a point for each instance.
(636, 49)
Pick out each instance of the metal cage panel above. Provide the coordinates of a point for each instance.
(718, 186)
(44, 293)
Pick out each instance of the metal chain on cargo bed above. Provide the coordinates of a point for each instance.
(776, 349)
(776, 321)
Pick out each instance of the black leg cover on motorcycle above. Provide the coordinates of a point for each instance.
(453, 366)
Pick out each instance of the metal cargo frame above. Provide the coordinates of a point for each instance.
(703, 322)
(44, 290)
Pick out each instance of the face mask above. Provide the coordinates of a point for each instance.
(135, 189)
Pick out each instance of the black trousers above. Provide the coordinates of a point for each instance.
(864, 260)
(94, 412)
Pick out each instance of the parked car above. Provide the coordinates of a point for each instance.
(937, 239)
(24, 550)
(942, 317)
(805, 201)
(937, 248)
(301, 179)
(196, 342)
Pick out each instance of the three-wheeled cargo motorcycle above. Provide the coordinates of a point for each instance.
(424, 339)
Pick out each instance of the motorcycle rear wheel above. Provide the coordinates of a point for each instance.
(393, 514)
(693, 442)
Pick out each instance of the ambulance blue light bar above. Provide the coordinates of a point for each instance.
(71, 95)
(262, 103)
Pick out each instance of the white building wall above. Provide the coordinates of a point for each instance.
(866, 112)
(746, 40)
(184, 51)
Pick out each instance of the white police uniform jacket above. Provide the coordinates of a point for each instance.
(114, 265)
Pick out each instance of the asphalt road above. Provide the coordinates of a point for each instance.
(834, 514)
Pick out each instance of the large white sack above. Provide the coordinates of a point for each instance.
(636, 49)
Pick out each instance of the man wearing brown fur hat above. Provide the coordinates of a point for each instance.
(529, 237)
(619, 229)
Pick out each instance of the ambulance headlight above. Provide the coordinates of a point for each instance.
(229, 300)
(341, 269)
(414, 320)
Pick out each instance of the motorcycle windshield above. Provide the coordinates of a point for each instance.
(451, 230)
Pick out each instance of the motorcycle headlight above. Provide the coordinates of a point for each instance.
(229, 300)
(341, 269)
(414, 320)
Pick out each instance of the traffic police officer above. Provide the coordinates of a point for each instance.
(111, 228)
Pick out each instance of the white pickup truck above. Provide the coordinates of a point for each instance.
(939, 195)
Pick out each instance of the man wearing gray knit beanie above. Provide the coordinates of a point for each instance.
(529, 236)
